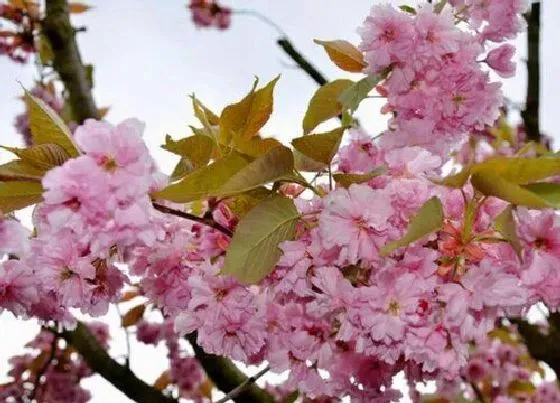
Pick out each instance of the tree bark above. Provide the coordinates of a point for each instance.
(226, 376)
(531, 114)
(67, 60)
(118, 375)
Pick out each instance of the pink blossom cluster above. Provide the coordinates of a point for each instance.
(501, 370)
(209, 13)
(436, 85)
(50, 372)
(95, 207)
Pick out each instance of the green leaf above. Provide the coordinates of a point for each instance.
(17, 195)
(242, 203)
(520, 170)
(457, 180)
(183, 168)
(492, 184)
(408, 9)
(306, 164)
(546, 190)
(197, 149)
(256, 146)
(320, 147)
(210, 122)
(204, 181)
(428, 219)
(505, 225)
(18, 170)
(324, 104)
(43, 156)
(351, 97)
(245, 118)
(47, 127)
(273, 166)
(519, 387)
(253, 251)
(344, 55)
(346, 180)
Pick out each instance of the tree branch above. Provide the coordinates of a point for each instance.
(227, 377)
(188, 216)
(118, 375)
(288, 47)
(67, 60)
(239, 389)
(542, 347)
(531, 114)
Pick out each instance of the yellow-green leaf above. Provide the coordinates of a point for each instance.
(505, 225)
(253, 251)
(204, 181)
(344, 55)
(183, 168)
(242, 203)
(320, 147)
(491, 184)
(255, 146)
(519, 387)
(274, 165)
(457, 180)
(197, 149)
(42, 156)
(346, 180)
(520, 170)
(47, 127)
(204, 114)
(324, 104)
(245, 118)
(351, 97)
(17, 195)
(303, 163)
(546, 190)
(428, 219)
(45, 49)
(18, 170)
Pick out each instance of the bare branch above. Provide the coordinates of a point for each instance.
(531, 114)
(238, 390)
(188, 216)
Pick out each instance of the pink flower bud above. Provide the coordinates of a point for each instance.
(499, 60)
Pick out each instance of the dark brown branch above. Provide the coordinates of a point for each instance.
(45, 366)
(301, 61)
(239, 389)
(67, 60)
(188, 216)
(226, 376)
(542, 347)
(531, 114)
(118, 375)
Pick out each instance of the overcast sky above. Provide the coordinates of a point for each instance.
(148, 57)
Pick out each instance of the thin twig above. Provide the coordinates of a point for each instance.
(260, 17)
(237, 391)
(44, 368)
(304, 64)
(188, 216)
(127, 338)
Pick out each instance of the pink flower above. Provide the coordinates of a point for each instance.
(18, 287)
(64, 270)
(387, 37)
(355, 219)
(499, 60)
(14, 237)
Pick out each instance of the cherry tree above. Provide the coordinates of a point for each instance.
(341, 260)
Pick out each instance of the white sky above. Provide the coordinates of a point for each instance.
(148, 57)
